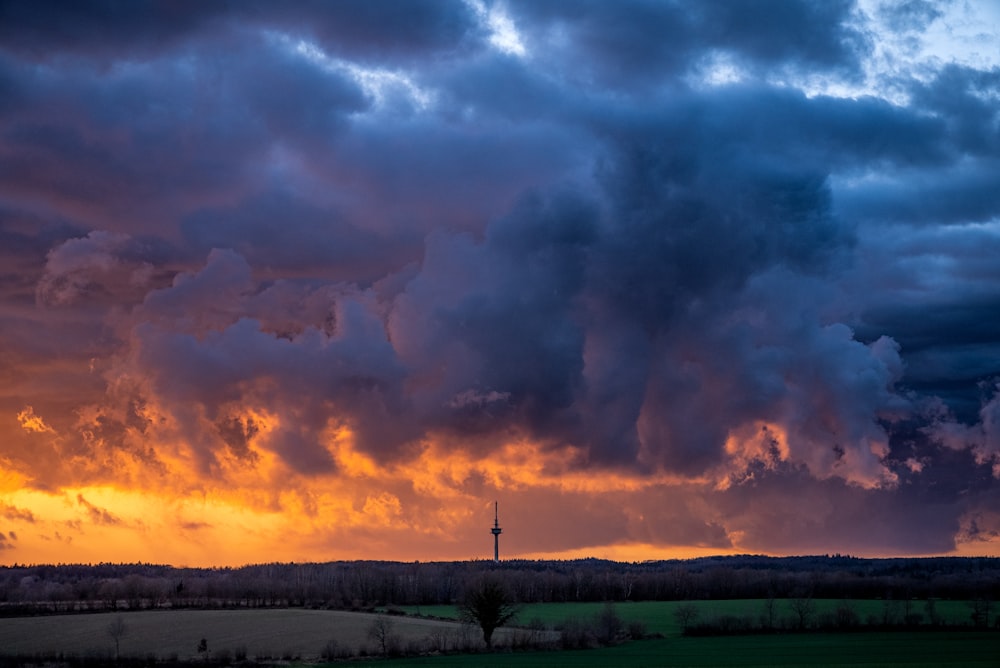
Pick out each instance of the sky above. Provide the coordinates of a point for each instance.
(315, 281)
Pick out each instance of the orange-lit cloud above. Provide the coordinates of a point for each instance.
(33, 423)
(434, 504)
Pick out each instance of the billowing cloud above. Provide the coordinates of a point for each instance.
(663, 278)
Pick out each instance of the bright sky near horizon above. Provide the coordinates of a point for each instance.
(311, 281)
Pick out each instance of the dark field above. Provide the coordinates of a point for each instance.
(658, 616)
(302, 634)
(860, 650)
(177, 633)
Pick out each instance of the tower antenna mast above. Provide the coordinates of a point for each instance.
(496, 531)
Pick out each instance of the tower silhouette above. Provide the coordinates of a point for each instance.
(496, 531)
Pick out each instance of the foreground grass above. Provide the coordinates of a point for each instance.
(858, 650)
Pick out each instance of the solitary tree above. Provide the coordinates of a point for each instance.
(608, 624)
(117, 630)
(488, 603)
(686, 614)
(981, 612)
(770, 607)
(803, 606)
(381, 632)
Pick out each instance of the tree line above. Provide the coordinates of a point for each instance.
(30, 589)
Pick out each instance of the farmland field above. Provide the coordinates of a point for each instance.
(294, 632)
(261, 633)
(855, 650)
(658, 616)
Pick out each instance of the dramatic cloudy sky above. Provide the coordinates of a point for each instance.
(316, 280)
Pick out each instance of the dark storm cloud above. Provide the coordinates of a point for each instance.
(41, 29)
(500, 316)
(287, 236)
(964, 193)
(940, 285)
(109, 29)
(966, 99)
(264, 223)
(185, 133)
(957, 151)
(206, 360)
(904, 15)
(831, 515)
(624, 44)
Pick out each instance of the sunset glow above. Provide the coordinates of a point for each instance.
(664, 280)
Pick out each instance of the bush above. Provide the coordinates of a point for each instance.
(846, 617)
(574, 634)
(437, 640)
(637, 630)
(722, 625)
(686, 615)
(413, 647)
(465, 638)
(330, 650)
(608, 624)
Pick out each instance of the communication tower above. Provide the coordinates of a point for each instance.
(496, 531)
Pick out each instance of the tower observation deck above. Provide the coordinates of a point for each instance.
(496, 531)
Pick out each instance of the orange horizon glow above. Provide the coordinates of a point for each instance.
(434, 506)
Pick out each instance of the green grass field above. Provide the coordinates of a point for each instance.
(658, 616)
(858, 650)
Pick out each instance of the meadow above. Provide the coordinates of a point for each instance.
(862, 649)
(855, 650)
(660, 616)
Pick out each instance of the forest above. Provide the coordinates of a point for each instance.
(363, 585)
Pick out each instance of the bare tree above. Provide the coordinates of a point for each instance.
(381, 631)
(488, 603)
(608, 624)
(803, 606)
(117, 630)
(686, 614)
(890, 610)
(931, 608)
(981, 608)
(767, 616)
(846, 616)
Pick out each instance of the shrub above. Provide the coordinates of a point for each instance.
(607, 624)
(637, 630)
(574, 634)
(437, 639)
(686, 615)
(330, 650)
